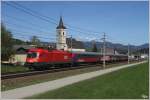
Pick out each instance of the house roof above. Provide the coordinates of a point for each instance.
(22, 49)
(75, 44)
(16, 47)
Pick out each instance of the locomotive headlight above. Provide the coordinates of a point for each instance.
(37, 55)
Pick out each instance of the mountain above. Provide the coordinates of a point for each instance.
(123, 49)
(119, 47)
(146, 45)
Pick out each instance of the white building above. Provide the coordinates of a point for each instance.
(61, 36)
(62, 43)
(144, 56)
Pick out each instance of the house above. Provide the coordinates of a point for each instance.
(144, 56)
(110, 51)
(75, 45)
(20, 54)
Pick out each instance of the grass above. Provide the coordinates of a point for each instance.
(12, 69)
(131, 82)
(30, 80)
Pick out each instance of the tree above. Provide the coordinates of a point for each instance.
(6, 43)
(94, 47)
(35, 41)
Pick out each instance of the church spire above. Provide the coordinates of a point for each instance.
(61, 25)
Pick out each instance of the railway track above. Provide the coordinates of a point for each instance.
(30, 73)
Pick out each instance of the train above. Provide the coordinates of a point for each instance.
(39, 58)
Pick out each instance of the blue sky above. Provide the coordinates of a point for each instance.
(123, 22)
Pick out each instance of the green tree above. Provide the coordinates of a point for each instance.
(6, 43)
(35, 41)
(94, 47)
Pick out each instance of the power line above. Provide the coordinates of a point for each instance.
(45, 18)
(27, 27)
(22, 20)
(20, 32)
(20, 26)
(81, 29)
(54, 19)
(16, 34)
(26, 32)
(30, 13)
(28, 38)
(30, 23)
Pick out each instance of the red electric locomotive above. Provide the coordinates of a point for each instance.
(44, 59)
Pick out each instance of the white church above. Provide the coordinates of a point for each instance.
(61, 35)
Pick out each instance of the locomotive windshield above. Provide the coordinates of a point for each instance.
(32, 55)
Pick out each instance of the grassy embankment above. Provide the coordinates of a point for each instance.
(130, 82)
(12, 69)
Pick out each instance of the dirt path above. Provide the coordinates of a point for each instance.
(51, 85)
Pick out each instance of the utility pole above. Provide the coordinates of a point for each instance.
(71, 51)
(104, 47)
(71, 43)
(128, 54)
(139, 54)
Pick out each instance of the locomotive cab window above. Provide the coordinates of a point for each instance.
(32, 55)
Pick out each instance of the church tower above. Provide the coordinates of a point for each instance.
(61, 36)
